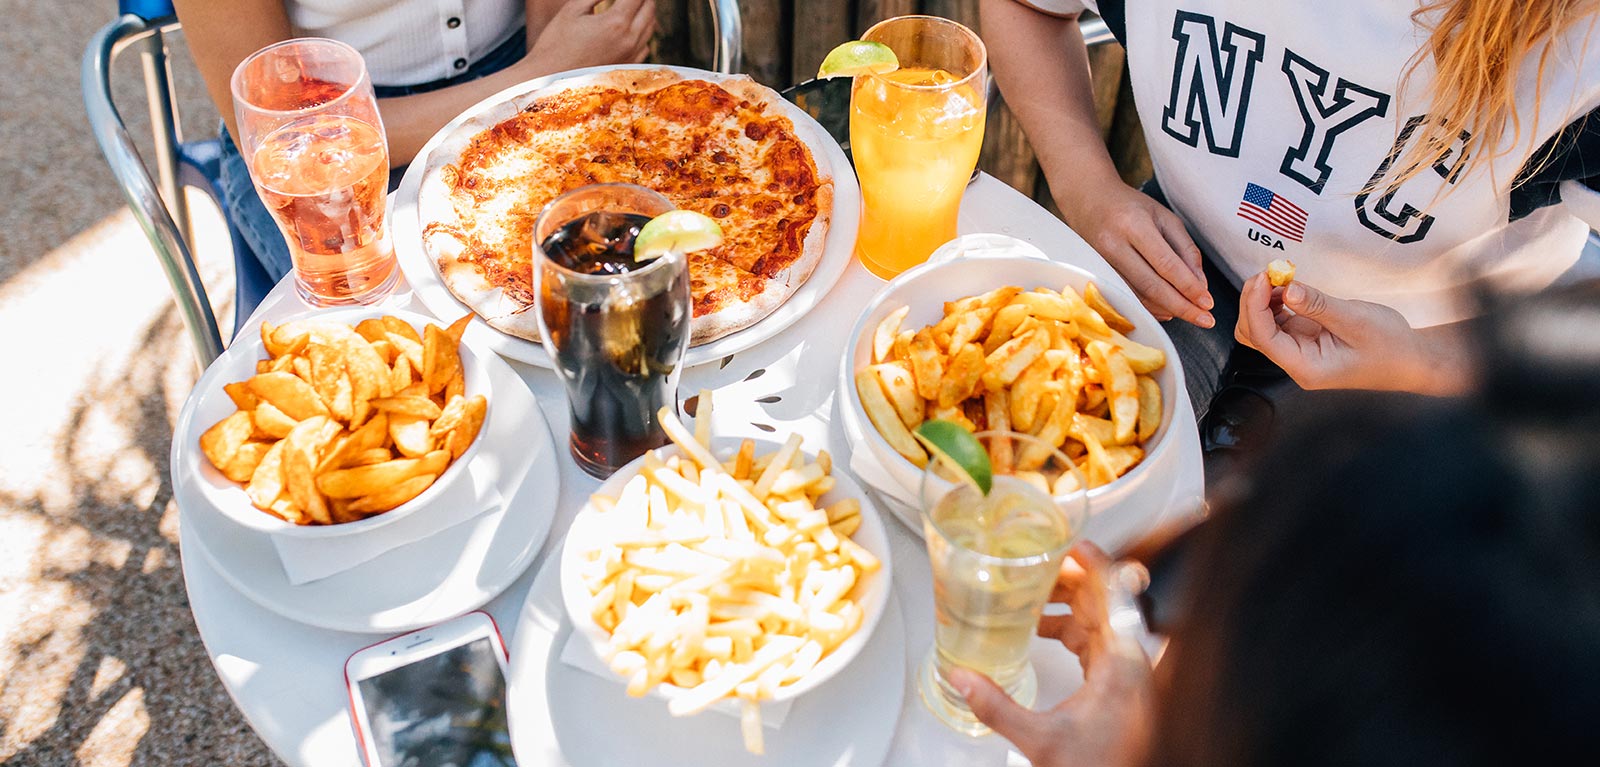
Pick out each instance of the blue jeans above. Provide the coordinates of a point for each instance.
(249, 215)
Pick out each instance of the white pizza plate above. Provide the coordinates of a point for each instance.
(424, 582)
(838, 248)
(562, 716)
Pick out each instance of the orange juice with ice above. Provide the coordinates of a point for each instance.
(915, 134)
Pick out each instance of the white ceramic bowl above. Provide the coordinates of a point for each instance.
(927, 287)
(211, 404)
(872, 593)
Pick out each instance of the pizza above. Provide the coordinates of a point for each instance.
(726, 147)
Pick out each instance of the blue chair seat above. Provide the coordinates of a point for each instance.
(200, 166)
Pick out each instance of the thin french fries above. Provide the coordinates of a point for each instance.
(724, 586)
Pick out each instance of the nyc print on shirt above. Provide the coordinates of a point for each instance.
(1267, 121)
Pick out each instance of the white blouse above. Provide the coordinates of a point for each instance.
(410, 42)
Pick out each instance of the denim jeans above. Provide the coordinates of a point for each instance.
(249, 215)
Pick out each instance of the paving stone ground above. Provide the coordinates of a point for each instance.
(100, 662)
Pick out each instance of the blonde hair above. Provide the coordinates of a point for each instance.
(1478, 48)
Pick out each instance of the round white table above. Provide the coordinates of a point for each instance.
(288, 678)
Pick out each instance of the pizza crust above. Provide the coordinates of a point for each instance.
(442, 224)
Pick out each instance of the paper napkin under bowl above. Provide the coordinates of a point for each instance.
(310, 559)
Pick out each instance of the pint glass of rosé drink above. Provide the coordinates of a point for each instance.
(310, 132)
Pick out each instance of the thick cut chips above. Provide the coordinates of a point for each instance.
(341, 423)
(1048, 363)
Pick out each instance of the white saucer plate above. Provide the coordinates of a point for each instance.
(839, 247)
(562, 716)
(424, 582)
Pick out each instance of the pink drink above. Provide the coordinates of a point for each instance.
(324, 178)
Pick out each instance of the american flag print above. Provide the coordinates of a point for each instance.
(1273, 213)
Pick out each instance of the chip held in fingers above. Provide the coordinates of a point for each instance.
(1050, 363)
(1280, 272)
(341, 423)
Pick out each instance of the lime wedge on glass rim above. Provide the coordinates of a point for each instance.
(858, 57)
(676, 231)
(950, 442)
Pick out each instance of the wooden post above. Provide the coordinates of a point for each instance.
(818, 26)
(1127, 140)
(766, 39)
(671, 42)
(1105, 66)
(869, 12)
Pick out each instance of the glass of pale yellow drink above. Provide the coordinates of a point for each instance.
(995, 559)
(915, 134)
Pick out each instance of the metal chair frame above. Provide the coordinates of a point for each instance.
(158, 203)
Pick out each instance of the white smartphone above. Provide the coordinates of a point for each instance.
(435, 696)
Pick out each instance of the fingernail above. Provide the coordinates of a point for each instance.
(1207, 303)
(962, 680)
(1207, 321)
(1294, 293)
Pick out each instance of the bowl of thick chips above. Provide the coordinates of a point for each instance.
(754, 581)
(992, 339)
(335, 422)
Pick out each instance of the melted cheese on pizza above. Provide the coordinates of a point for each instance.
(696, 143)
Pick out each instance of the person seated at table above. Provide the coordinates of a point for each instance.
(1398, 153)
(1426, 592)
(428, 62)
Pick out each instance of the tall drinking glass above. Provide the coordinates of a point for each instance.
(616, 329)
(915, 134)
(995, 559)
(309, 130)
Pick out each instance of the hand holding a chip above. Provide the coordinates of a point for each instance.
(1324, 342)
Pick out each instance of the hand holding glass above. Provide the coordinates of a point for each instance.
(995, 559)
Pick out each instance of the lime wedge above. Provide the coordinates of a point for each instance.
(676, 231)
(952, 443)
(858, 57)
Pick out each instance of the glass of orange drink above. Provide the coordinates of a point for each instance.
(310, 132)
(915, 133)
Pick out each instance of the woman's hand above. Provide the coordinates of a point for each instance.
(1324, 342)
(576, 36)
(1105, 723)
(1147, 245)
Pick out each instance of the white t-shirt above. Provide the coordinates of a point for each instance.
(1266, 119)
(410, 42)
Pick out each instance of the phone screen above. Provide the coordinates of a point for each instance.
(445, 710)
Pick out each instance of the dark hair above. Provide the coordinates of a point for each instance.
(1405, 580)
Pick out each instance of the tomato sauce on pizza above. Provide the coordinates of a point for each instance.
(726, 149)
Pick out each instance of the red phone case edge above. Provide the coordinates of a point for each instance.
(350, 698)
